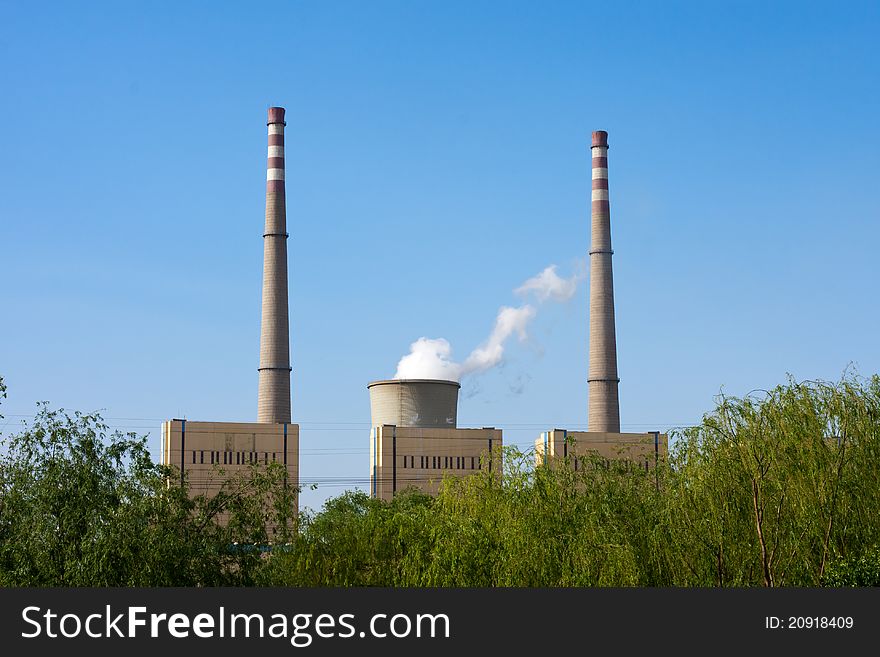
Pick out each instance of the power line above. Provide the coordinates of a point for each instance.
(366, 423)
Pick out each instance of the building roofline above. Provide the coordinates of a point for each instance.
(384, 382)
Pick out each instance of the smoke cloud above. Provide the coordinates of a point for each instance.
(548, 285)
(431, 358)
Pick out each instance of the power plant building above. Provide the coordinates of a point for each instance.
(580, 448)
(414, 440)
(603, 438)
(209, 453)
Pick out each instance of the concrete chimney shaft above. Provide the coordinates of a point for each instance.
(274, 397)
(604, 405)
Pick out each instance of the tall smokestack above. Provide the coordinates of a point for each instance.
(604, 406)
(274, 398)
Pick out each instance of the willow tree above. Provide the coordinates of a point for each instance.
(769, 488)
(83, 506)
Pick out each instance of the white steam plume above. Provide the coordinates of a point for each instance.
(548, 285)
(432, 358)
(509, 321)
(429, 359)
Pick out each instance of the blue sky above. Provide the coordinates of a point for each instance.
(437, 157)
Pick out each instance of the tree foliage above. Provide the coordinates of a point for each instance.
(779, 488)
(80, 506)
(776, 489)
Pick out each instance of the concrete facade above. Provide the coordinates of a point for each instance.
(414, 457)
(414, 403)
(209, 453)
(273, 404)
(602, 380)
(643, 450)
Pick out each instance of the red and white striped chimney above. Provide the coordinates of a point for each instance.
(274, 396)
(604, 405)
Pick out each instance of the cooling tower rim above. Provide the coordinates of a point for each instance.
(385, 382)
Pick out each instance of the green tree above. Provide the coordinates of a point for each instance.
(81, 506)
(860, 570)
(779, 488)
(773, 489)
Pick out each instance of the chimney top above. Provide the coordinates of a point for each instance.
(276, 115)
(600, 138)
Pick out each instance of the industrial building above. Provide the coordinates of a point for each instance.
(209, 453)
(414, 440)
(603, 437)
(578, 448)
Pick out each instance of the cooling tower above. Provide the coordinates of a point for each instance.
(602, 380)
(414, 403)
(273, 403)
